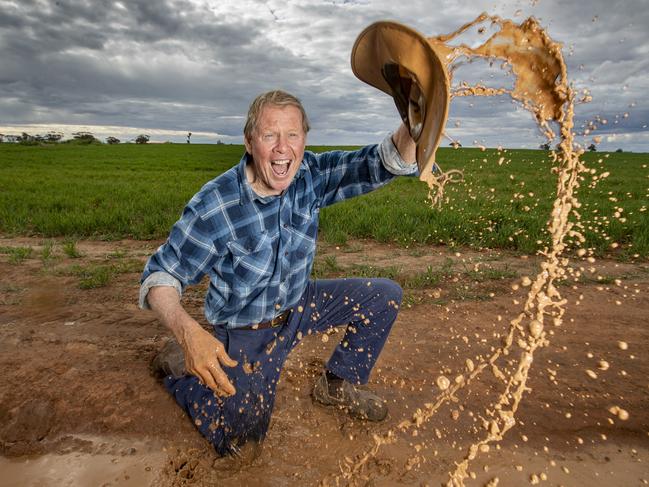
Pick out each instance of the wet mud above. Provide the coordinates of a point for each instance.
(77, 398)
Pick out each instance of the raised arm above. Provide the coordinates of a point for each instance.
(404, 144)
(345, 174)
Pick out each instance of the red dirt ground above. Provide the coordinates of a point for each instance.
(79, 407)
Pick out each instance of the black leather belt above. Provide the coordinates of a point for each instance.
(279, 320)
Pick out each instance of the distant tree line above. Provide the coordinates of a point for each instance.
(591, 148)
(53, 137)
(78, 138)
(27, 139)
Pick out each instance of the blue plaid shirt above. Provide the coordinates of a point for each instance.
(258, 251)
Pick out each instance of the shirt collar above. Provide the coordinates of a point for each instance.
(246, 191)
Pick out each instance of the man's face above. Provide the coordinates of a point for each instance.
(277, 148)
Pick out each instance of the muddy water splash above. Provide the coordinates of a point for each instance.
(536, 62)
(542, 88)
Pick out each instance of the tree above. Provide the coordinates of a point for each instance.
(53, 137)
(85, 138)
(112, 140)
(592, 148)
(545, 146)
(189, 136)
(27, 139)
(142, 139)
(619, 150)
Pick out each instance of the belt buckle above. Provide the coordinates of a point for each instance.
(275, 322)
(279, 319)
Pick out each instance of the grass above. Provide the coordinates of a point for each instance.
(117, 254)
(70, 249)
(138, 191)
(638, 272)
(323, 268)
(47, 252)
(433, 276)
(103, 191)
(93, 275)
(429, 278)
(490, 273)
(17, 254)
(371, 272)
(501, 206)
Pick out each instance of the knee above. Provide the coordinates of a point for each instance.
(388, 290)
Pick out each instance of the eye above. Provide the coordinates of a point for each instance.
(268, 137)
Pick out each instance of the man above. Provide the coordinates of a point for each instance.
(253, 230)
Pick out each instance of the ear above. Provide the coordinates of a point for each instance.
(248, 145)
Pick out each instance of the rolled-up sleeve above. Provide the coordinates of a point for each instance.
(158, 278)
(392, 160)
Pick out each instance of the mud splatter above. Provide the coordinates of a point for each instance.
(542, 88)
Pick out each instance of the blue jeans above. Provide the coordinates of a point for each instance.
(367, 306)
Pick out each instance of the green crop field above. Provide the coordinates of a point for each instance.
(138, 191)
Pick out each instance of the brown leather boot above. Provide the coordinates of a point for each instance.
(358, 403)
(170, 360)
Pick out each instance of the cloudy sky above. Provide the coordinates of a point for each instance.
(166, 67)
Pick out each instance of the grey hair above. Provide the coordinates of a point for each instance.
(277, 98)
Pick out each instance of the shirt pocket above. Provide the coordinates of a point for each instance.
(305, 232)
(307, 219)
(252, 262)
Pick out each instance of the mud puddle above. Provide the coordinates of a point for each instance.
(94, 460)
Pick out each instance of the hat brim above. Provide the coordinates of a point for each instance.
(388, 43)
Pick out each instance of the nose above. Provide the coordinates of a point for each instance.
(282, 143)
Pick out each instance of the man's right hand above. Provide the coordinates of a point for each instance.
(204, 354)
(204, 357)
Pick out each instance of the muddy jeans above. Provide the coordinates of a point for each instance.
(369, 308)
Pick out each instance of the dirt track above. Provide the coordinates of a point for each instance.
(77, 398)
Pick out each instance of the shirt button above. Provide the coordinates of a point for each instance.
(285, 254)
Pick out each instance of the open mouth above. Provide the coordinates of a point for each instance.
(280, 166)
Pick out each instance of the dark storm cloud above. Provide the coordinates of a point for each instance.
(84, 59)
(195, 65)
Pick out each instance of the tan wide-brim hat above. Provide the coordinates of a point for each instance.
(402, 63)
